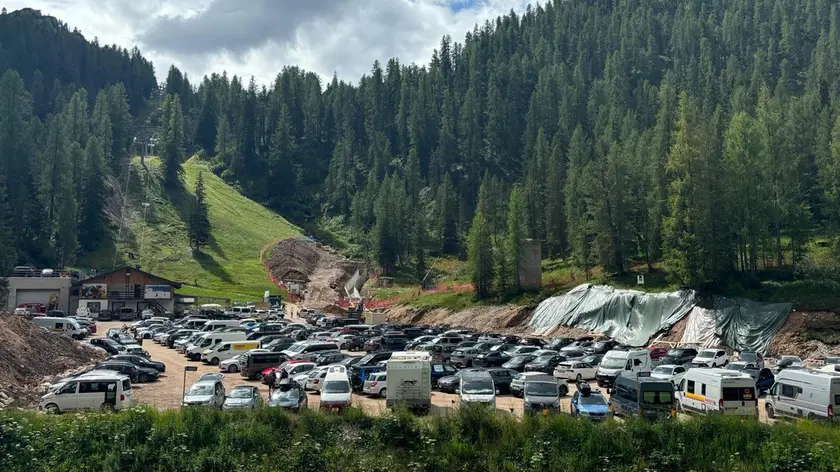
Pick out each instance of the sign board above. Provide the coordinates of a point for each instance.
(94, 292)
(158, 292)
(190, 368)
(640, 280)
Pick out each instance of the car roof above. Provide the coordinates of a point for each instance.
(206, 382)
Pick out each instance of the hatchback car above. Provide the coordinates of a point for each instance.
(376, 384)
(289, 396)
(243, 397)
(205, 393)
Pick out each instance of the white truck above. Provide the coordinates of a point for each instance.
(617, 363)
(409, 380)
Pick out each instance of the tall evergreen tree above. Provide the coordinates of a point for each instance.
(516, 234)
(480, 254)
(172, 142)
(199, 225)
(91, 217)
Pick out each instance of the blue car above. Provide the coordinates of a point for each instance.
(440, 370)
(590, 405)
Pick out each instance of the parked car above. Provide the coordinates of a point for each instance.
(418, 341)
(542, 393)
(670, 372)
(751, 357)
(312, 380)
(575, 370)
(518, 363)
(450, 383)
(590, 405)
(491, 359)
(128, 369)
(210, 392)
(657, 352)
(517, 385)
(764, 378)
(140, 361)
(679, 356)
(109, 345)
(329, 358)
(463, 356)
(592, 359)
(545, 364)
(712, 357)
(376, 384)
(243, 397)
(289, 396)
(502, 379)
(601, 347)
(532, 342)
(788, 362)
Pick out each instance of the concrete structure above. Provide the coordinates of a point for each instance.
(126, 287)
(530, 264)
(53, 292)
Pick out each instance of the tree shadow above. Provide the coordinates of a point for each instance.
(208, 263)
(183, 202)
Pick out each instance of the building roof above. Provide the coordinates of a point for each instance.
(123, 269)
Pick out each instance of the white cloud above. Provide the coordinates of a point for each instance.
(259, 37)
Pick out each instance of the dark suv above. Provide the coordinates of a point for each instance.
(679, 356)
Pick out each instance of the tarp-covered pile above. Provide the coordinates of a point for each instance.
(632, 317)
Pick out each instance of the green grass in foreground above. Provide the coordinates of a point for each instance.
(229, 266)
(469, 439)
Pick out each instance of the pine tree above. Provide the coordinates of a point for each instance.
(199, 225)
(577, 211)
(516, 234)
(55, 171)
(172, 142)
(7, 240)
(480, 254)
(555, 214)
(92, 219)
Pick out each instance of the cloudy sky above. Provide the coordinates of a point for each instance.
(259, 37)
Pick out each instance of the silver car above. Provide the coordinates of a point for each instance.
(243, 397)
(314, 379)
(376, 384)
(205, 393)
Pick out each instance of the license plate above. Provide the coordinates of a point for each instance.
(334, 410)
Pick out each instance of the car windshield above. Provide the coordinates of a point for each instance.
(477, 387)
(791, 359)
(542, 389)
(241, 393)
(613, 362)
(706, 354)
(592, 400)
(201, 389)
(296, 347)
(336, 386)
(736, 366)
(290, 394)
(748, 356)
(663, 370)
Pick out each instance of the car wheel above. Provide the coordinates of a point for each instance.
(383, 392)
(771, 412)
(233, 368)
(52, 409)
(145, 378)
(564, 390)
(106, 407)
(214, 361)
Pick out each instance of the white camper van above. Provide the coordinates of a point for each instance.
(226, 350)
(409, 380)
(105, 391)
(804, 394)
(617, 363)
(57, 325)
(208, 341)
(721, 391)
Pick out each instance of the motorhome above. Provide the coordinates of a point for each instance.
(718, 391)
(616, 363)
(409, 380)
(804, 394)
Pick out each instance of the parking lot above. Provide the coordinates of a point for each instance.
(167, 391)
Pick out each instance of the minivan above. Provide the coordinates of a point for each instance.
(209, 340)
(616, 363)
(251, 364)
(642, 396)
(216, 325)
(804, 394)
(718, 391)
(336, 393)
(67, 326)
(477, 387)
(541, 394)
(307, 350)
(127, 314)
(89, 392)
(227, 349)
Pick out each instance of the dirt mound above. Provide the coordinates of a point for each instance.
(510, 319)
(808, 335)
(30, 356)
(323, 270)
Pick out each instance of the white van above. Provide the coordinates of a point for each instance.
(216, 325)
(105, 392)
(336, 393)
(477, 387)
(617, 363)
(57, 325)
(227, 349)
(804, 394)
(718, 391)
(308, 350)
(209, 340)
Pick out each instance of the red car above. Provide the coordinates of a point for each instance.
(34, 308)
(265, 375)
(657, 352)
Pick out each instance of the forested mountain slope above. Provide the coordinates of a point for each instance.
(701, 133)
